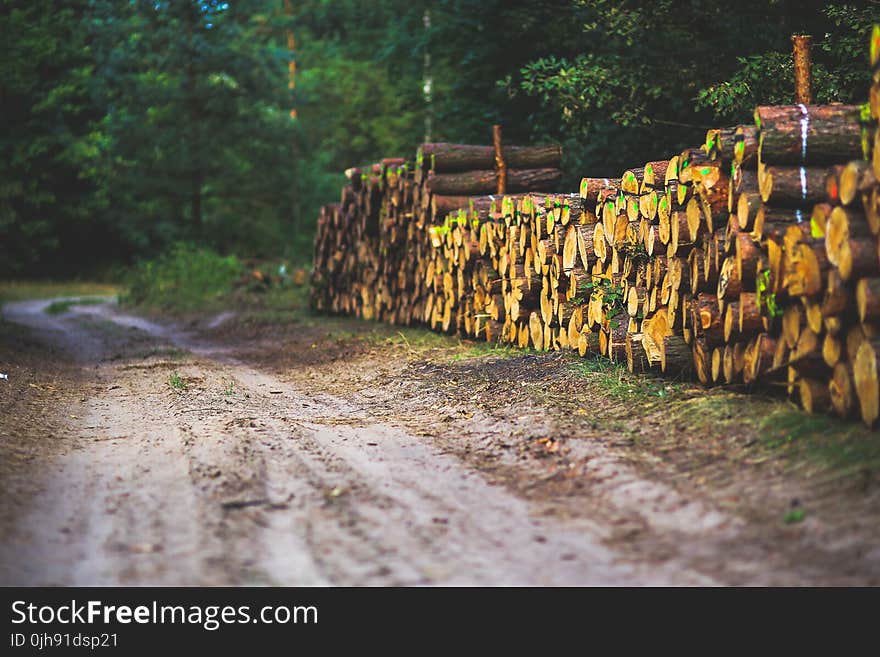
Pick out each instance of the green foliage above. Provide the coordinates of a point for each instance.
(201, 141)
(358, 94)
(131, 125)
(50, 189)
(637, 252)
(840, 71)
(186, 278)
(611, 295)
(648, 78)
(767, 300)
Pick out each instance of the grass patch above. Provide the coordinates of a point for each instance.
(416, 339)
(169, 353)
(821, 439)
(288, 301)
(23, 290)
(617, 382)
(484, 349)
(378, 335)
(61, 307)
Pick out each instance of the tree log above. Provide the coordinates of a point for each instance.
(484, 182)
(758, 357)
(857, 258)
(868, 299)
(734, 361)
(591, 187)
(841, 389)
(791, 186)
(866, 382)
(745, 147)
(809, 134)
(856, 178)
(451, 158)
(719, 143)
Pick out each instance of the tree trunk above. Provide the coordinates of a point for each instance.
(195, 117)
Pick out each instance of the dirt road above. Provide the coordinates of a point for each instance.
(137, 453)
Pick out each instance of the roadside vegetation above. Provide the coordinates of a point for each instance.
(13, 290)
(186, 278)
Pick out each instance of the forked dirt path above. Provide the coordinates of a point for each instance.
(163, 458)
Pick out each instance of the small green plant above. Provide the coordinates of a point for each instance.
(611, 295)
(229, 390)
(176, 382)
(794, 516)
(767, 299)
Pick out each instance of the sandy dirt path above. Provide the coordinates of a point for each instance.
(241, 476)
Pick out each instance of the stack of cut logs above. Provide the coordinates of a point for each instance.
(403, 243)
(750, 259)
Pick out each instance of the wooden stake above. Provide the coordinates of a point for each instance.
(803, 83)
(500, 166)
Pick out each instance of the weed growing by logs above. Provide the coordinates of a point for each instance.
(611, 296)
(766, 298)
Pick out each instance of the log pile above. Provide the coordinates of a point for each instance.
(407, 244)
(751, 259)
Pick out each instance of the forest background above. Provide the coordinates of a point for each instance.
(131, 127)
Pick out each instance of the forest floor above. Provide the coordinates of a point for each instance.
(269, 446)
